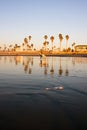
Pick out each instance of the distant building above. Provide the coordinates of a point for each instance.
(81, 48)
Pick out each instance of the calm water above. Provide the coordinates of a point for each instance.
(30, 97)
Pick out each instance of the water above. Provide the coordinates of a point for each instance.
(30, 97)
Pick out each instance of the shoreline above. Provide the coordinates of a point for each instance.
(37, 53)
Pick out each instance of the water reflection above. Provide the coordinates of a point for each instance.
(27, 63)
(49, 65)
(32, 87)
(60, 68)
(52, 67)
(44, 63)
(66, 71)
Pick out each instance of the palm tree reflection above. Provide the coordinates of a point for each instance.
(32, 61)
(27, 63)
(5, 59)
(25, 68)
(10, 59)
(30, 71)
(44, 63)
(60, 68)
(66, 71)
(52, 68)
(45, 71)
(18, 59)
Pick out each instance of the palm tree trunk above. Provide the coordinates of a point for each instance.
(52, 46)
(60, 46)
(66, 45)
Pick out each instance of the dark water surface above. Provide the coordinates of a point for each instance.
(30, 95)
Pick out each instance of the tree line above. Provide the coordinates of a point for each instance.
(46, 42)
(27, 45)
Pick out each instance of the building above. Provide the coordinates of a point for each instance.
(81, 48)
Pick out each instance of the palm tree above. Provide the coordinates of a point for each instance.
(45, 37)
(73, 46)
(29, 38)
(5, 47)
(26, 43)
(32, 46)
(67, 38)
(10, 47)
(25, 40)
(0, 48)
(23, 47)
(45, 43)
(52, 40)
(61, 38)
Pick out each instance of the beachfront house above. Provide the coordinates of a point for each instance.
(81, 48)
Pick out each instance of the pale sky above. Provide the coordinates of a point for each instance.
(21, 18)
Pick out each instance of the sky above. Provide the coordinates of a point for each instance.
(21, 18)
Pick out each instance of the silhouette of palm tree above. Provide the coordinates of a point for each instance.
(45, 37)
(29, 38)
(67, 38)
(52, 40)
(32, 46)
(73, 46)
(25, 40)
(45, 43)
(26, 43)
(61, 38)
(0, 48)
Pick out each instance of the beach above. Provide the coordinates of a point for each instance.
(37, 53)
